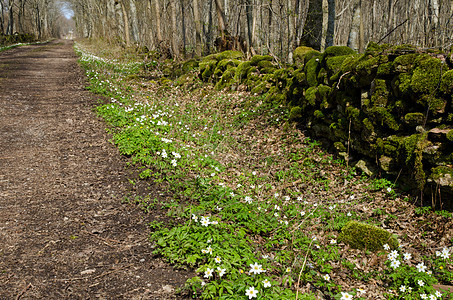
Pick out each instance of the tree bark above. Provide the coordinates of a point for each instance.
(158, 22)
(10, 29)
(174, 30)
(311, 35)
(249, 14)
(330, 23)
(197, 21)
(127, 34)
(221, 18)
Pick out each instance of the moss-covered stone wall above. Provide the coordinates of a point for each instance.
(392, 105)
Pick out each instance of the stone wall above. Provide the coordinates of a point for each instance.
(391, 106)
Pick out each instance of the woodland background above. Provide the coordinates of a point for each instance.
(184, 28)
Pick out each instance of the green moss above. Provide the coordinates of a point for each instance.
(299, 54)
(227, 63)
(380, 93)
(404, 63)
(339, 146)
(350, 63)
(311, 70)
(441, 171)
(225, 80)
(207, 69)
(381, 116)
(446, 83)
(265, 64)
(404, 48)
(403, 83)
(229, 54)
(242, 70)
(367, 237)
(189, 65)
(385, 69)
(261, 88)
(310, 55)
(318, 114)
(323, 92)
(295, 113)
(414, 119)
(450, 135)
(333, 64)
(427, 75)
(338, 51)
(374, 48)
(310, 95)
(257, 58)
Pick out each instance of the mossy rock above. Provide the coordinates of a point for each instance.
(442, 176)
(227, 63)
(319, 115)
(435, 104)
(381, 116)
(450, 135)
(414, 119)
(367, 237)
(385, 70)
(189, 65)
(333, 64)
(260, 88)
(311, 70)
(446, 83)
(403, 84)
(265, 64)
(242, 70)
(310, 95)
(405, 63)
(379, 92)
(299, 54)
(226, 80)
(427, 74)
(350, 63)
(295, 113)
(310, 54)
(229, 54)
(374, 48)
(404, 48)
(207, 69)
(258, 58)
(337, 51)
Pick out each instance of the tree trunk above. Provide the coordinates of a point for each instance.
(183, 27)
(249, 14)
(127, 34)
(174, 30)
(197, 21)
(312, 32)
(134, 22)
(221, 18)
(158, 22)
(330, 23)
(10, 29)
(2, 28)
(354, 39)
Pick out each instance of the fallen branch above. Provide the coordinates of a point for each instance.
(29, 286)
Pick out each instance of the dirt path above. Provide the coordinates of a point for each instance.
(64, 233)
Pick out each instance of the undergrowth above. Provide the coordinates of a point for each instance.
(256, 208)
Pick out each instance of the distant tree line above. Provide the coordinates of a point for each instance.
(40, 18)
(180, 28)
(274, 27)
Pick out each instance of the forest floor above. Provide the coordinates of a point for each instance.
(64, 232)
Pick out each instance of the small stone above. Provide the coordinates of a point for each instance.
(88, 271)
